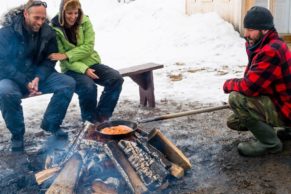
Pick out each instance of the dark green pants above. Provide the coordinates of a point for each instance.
(258, 108)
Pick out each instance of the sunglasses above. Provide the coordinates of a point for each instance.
(35, 3)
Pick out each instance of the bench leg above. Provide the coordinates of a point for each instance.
(146, 88)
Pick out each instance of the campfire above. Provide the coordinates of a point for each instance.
(135, 162)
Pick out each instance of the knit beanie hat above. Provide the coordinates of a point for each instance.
(67, 5)
(258, 18)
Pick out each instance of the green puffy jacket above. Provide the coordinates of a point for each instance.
(82, 55)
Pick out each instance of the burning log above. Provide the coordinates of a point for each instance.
(151, 172)
(123, 166)
(42, 176)
(66, 181)
(72, 149)
(159, 141)
(175, 170)
(143, 140)
(100, 187)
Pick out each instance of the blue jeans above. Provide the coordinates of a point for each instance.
(87, 92)
(60, 85)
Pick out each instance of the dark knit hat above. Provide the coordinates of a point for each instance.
(258, 18)
(66, 5)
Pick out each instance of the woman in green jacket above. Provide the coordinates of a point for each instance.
(78, 59)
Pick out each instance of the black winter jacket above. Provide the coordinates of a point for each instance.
(14, 64)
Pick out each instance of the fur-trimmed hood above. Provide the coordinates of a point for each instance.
(64, 5)
(14, 19)
(12, 16)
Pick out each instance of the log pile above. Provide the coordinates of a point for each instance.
(137, 165)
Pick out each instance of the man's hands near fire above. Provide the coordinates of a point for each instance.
(33, 87)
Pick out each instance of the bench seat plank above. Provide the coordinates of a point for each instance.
(138, 69)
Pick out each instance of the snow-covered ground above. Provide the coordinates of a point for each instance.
(199, 52)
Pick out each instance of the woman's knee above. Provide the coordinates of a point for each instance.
(86, 88)
(119, 80)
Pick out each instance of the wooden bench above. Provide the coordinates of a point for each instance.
(143, 76)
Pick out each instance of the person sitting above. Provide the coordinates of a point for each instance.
(79, 60)
(26, 41)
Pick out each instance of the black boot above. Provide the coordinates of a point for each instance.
(55, 130)
(60, 134)
(17, 144)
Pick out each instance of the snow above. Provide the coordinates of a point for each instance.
(199, 51)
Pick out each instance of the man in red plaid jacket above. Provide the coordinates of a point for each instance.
(261, 100)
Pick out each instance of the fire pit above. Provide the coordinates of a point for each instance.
(94, 163)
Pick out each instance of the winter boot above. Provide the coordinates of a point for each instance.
(60, 134)
(57, 132)
(234, 123)
(102, 119)
(267, 140)
(17, 144)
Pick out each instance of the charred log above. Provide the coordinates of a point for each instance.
(67, 179)
(124, 168)
(152, 172)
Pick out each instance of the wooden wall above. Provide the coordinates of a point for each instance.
(234, 11)
(230, 10)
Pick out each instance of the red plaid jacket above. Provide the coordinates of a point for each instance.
(267, 73)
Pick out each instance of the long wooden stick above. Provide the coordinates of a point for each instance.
(181, 114)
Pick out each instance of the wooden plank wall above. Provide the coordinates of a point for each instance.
(228, 9)
(232, 11)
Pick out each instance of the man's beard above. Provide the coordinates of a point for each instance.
(255, 40)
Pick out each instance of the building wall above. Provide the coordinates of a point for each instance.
(230, 10)
(233, 11)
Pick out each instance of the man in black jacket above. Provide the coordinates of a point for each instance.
(26, 41)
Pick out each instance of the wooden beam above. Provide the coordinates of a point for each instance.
(172, 153)
(67, 179)
(101, 188)
(138, 69)
(177, 171)
(120, 160)
(42, 176)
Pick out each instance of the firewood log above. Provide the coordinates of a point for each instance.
(125, 169)
(177, 171)
(45, 174)
(101, 188)
(66, 181)
(163, 144)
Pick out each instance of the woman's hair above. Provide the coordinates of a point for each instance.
(67, 5)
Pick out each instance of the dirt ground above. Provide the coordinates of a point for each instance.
(204, 138)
